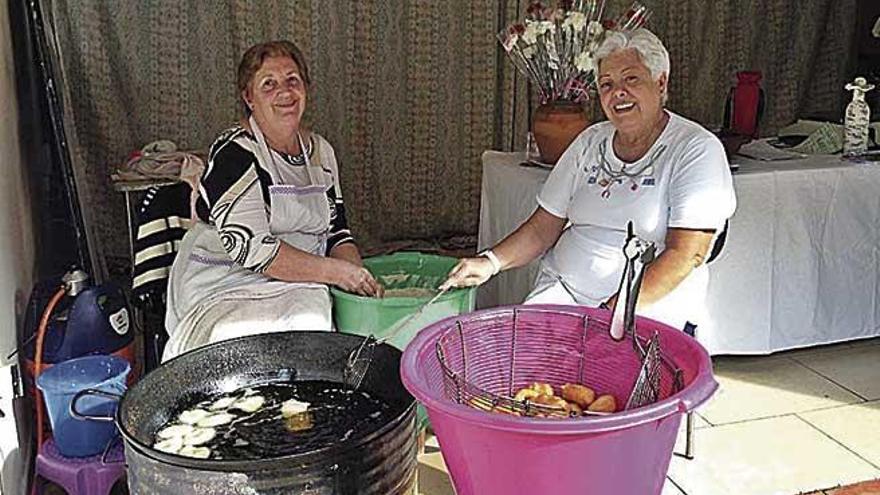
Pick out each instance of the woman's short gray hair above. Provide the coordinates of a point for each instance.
(644, 42)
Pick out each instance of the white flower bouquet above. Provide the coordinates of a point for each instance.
(554, 47)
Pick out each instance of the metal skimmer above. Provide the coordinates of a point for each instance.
(487, 358)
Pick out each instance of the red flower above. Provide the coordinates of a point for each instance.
(609, 24)
(639, 20)
(535, 10)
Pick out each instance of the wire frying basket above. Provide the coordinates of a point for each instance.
(485, 361)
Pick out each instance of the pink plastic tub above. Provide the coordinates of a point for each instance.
(626, 453)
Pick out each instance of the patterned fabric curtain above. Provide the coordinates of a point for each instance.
(409, 92)
(404, 90)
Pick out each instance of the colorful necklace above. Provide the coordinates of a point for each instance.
(610, 176)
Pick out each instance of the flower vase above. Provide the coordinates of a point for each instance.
(555, 125)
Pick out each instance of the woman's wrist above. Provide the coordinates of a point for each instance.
(496, 263)
(345, 273)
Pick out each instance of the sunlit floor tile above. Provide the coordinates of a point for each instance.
(669, 488)
(857, 368)
(753, 388)
(776, 456)
(857, 427)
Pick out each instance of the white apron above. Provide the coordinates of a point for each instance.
(211, 299)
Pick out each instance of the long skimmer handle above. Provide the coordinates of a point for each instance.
(403, 323)
(638, 254)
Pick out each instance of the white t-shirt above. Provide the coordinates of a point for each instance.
(683, 181)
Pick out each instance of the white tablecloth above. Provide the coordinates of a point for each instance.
(800, 266)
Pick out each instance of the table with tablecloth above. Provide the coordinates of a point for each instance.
(799, 268)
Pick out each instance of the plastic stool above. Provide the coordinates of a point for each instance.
(93, 475)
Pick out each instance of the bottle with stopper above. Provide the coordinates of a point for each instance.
(858, 114)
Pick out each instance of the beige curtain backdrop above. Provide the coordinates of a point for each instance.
(409, 92)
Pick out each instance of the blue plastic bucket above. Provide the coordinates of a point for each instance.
(60, 383)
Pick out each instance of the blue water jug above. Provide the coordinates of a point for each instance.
(95, 321)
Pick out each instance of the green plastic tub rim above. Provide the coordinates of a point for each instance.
(421, 261)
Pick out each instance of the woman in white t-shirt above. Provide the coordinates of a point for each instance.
(646, 164)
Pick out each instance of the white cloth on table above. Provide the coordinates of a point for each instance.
(801, 266)
(683, 181)
(217, 290)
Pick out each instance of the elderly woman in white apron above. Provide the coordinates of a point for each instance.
(667, 174)
(272, 233)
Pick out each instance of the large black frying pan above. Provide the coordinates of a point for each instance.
(381, 461)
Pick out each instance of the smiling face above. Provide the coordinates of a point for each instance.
(631, 98)
(276, 95)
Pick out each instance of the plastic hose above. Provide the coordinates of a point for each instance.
(38, 364)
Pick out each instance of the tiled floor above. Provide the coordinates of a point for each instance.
(797, 422)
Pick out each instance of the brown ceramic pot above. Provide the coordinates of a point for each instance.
(555, 125)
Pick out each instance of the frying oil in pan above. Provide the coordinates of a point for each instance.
(334, 414)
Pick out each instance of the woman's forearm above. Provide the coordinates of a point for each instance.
(533, 237)
(530, 240)
(295, 265)
(665, 273)
(685, 250)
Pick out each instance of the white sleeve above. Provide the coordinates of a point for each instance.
(701, 194)
(558, 191)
